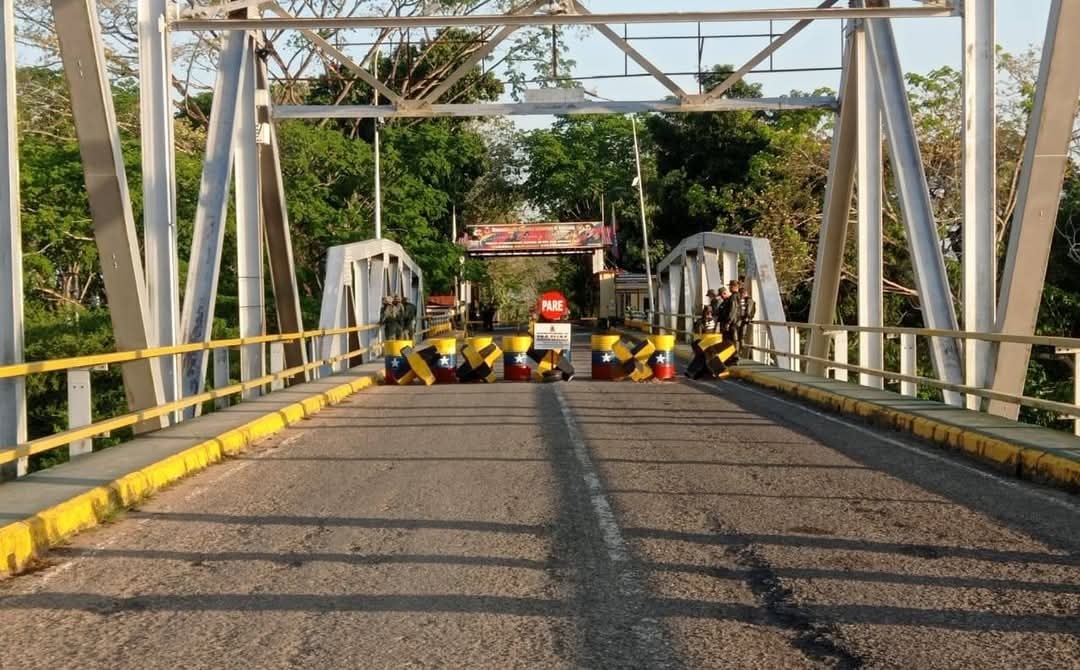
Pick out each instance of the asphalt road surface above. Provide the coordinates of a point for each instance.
(580, 525)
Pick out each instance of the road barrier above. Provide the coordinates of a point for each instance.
(480, 354)
(397, 367)
(551, 365)
(516, 358)
(662, 360)
(711, 355)
(445, 365)
(604, 363)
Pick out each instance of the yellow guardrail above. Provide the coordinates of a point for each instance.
(59, 364)
(47, 443)
(1041, 340)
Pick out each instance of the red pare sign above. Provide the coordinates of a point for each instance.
(553, 305)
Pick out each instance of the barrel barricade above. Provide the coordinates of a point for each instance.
(445, 365)
(615, 359)
(516, 358)
(662, 360)
(552, 365)
(634, 360)
(480, 355)
(397, 366)
(604, 363)
(711, 355)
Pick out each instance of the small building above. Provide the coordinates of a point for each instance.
(616, 292)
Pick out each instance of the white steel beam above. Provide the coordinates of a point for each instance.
(834, 221)
(1038, 198)
(209, 233)
(868, 188)
(279, 249)
(458, 20)
(636, 55)
(337, 54)
(980, 191)
(480, 54)
(760, 57)
(82, 51)
(924, 243)
(249, 237)
(13, 390)
(547, 108)
(159, 187)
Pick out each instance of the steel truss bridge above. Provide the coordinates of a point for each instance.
(980, 350)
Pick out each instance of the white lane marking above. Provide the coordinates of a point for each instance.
(1015, 485)
(609, 528)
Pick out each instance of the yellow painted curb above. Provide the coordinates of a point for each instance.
(22, 540)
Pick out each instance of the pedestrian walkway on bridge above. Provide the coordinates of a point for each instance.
(590, 524)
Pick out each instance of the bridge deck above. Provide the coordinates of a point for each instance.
(575, 525)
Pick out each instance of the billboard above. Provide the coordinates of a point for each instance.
(537, 239)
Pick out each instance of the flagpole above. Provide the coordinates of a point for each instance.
(644, 227)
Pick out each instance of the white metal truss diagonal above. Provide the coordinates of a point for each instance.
(924, 243)
(480, 54)
(1038, 198)
(635, 55)
(81, 48)
(209, 233)
(760, 57)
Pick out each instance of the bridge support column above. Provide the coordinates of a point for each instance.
(159, 188)
(249, 235)
(81, 48)
(1038, 199)
(868, 188)
(12, 391)
(980, 190)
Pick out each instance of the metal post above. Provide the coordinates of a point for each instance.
(644, 226)
(79, 409)
(378, 151)
(794, 346)
(221, 375)
(13, 390)
(917, 211)
(209, 233)
(1038, 199)
(82, 50)
(159, 188)
(980, 190)
(277, 364)
(907, 363)
(868, 188)
(249, 233)
(1076, 390)
(834, 223)
(840, 354)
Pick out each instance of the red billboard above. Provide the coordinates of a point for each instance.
(537, 239)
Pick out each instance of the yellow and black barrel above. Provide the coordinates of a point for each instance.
(711, 354)
(445, 367)
(479, 356)
(516, 358)
(605, 365)
(397, 366)
(662, 360)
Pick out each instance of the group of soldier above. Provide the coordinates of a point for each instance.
(398, 318)
(728, 312)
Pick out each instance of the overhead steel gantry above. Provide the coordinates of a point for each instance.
(872, 105)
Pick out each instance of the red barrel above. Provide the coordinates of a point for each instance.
(662, 361)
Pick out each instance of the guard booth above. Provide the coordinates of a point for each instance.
(616, 294)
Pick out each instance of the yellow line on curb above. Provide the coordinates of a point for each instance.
(1024, 462)
(22, 540)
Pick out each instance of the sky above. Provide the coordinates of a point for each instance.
(924, 44)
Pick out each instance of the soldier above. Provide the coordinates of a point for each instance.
(389, 319)
(408, 319)
(747, 312)
(723, 312)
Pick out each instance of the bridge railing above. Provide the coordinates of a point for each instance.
(838, 367)
(82, 430)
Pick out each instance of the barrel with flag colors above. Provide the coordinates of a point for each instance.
(662, 360)
(397, 366)
(445, 367)
(516, 358)
(605, 365)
